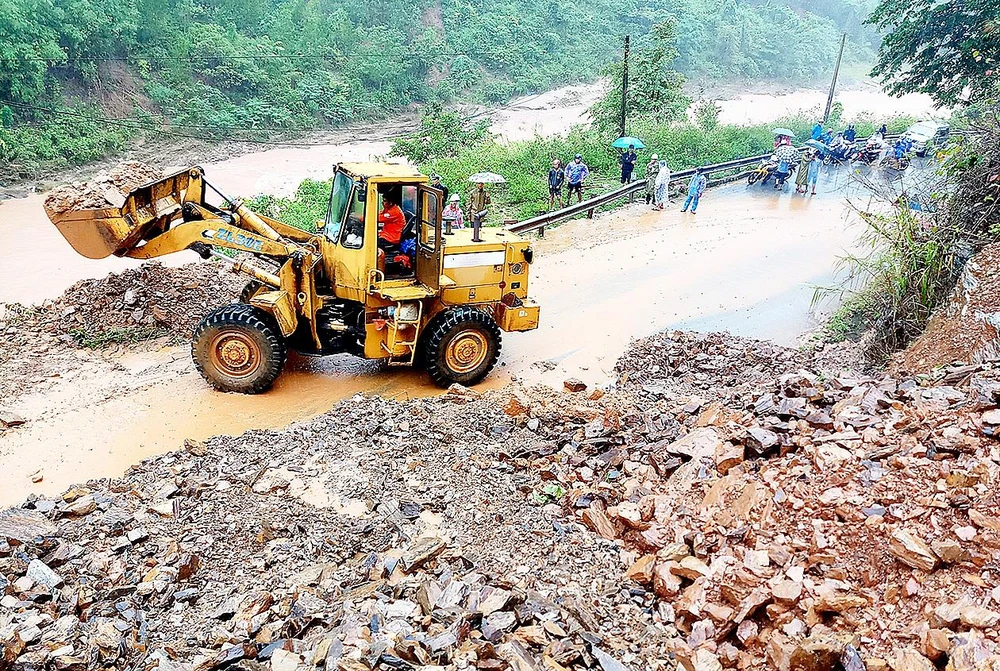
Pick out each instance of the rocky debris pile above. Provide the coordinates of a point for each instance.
(152, 299)
(153, 295)
(966, 327)
(719, 365)
(819, 523)
(844, 522)
(382, 535)
(104, 191)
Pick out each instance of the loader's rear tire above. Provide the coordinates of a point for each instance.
(239, 348)
(462, 345)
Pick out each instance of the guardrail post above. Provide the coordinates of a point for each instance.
(541, 232)
(590, 213)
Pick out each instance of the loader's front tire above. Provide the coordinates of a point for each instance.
(462, 345)
(238, 347)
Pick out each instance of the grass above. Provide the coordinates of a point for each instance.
(125, 335)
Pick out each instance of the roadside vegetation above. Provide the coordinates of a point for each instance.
(83, 79)
(919, 236)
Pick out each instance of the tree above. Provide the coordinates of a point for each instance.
(655, 89)
(949, 49)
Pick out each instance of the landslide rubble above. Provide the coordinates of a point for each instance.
(707, 514)
(104, 191)
(152, 301)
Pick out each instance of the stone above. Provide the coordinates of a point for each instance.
(81, 506)
(187, 566)
(421, 552)
(936, 644)
(787, 592)
(40, 573)
(761, 440)
(728, 456)
(691, 568)
(911, 550)
(666, 584)
(907, 659)
(979, 617)
(948, 551)
(641, 571)
(283, 660)
(699, 443)
(701, 659)
(832, 598)
(25, 525)
(596, 518)
(575, 385)
(9, 419)
(517, 404)
(816, 653)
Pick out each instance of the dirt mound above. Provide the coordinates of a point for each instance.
(152, 296)
(106, 190)
(965, 328)
(843, 520)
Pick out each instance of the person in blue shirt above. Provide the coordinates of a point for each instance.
(817, 130)
(696, 187)
(850, 134)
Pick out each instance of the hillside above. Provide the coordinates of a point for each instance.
(80, 79)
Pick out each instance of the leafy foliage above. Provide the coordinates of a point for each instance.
(949, 49)
(654, 89)
(441, 134)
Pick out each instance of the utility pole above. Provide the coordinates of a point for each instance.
(621, 127)
(833, 84)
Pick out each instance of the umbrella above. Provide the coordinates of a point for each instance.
(783, 131)
(816, 144)
(624, 142)
(487, 178)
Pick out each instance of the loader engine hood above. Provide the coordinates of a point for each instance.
(486, 271)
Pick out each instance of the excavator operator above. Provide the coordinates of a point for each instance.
(391, 222)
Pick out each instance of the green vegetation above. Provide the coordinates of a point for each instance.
(80, 79)
(126, 335)
(948, 49)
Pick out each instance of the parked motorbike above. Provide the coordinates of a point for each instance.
(763, 172)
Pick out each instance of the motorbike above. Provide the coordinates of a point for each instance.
(866, 154)
(839, 155)
(763, 172)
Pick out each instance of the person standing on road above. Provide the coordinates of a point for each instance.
(557, 176)
(850, 134)
(479, 201)
(817, 130)
(453, 212)
(802, 173)
(813, 177)
(436, 183)
(628, 159)
(696, 187)
(663, 186)
(576, 173)
(652, 168)
(883, 130)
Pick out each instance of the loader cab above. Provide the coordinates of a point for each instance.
(355, 263)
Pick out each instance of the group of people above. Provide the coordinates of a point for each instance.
(478, 203)
(571, 176)
(658, 185)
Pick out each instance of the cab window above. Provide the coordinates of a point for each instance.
(339, 198)
(354, 229)
(428, 220)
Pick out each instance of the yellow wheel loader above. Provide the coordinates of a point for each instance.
(437, 298)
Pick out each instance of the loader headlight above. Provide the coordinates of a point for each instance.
(529, 254)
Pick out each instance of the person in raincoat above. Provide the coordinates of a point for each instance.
(813, 176)
(652, 168)
(802, 173)
(662, 185)
(696, 187)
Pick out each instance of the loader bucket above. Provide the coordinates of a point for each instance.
(146, 211)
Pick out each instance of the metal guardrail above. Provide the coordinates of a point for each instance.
(591, 204)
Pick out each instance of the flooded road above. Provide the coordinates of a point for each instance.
(747, 263)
